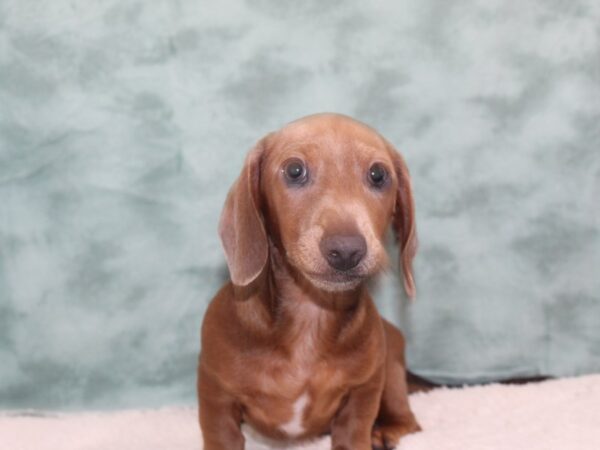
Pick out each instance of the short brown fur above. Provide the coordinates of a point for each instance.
(291, 346)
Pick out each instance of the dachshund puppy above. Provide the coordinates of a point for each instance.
(293, 345)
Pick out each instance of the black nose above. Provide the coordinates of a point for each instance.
(343, 252)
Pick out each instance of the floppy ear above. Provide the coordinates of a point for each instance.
(403, 221)
(241, 226)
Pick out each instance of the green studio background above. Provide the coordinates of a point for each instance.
(124, 123)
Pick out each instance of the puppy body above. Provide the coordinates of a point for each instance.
(294, 346)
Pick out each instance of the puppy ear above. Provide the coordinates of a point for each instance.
(241, 226)
(403, 221)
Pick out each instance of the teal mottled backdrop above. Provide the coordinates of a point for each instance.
(123, 124)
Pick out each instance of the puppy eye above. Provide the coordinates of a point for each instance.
(295, 171)
(377, 175)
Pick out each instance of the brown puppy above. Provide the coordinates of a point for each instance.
(293, 345)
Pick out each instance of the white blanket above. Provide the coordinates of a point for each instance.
(559, 414)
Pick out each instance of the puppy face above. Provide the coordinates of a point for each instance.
(323, 189)
(330, 188)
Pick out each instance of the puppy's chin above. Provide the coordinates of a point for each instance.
(335, 283)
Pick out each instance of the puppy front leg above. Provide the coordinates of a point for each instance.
(353, 424)
(220, 416)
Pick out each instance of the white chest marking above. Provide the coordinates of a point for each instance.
(294, 426)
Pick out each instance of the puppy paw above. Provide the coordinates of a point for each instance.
(387, 437)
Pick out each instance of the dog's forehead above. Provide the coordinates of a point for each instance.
(330, 135)
(332, 126)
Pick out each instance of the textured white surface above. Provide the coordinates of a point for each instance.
(558, 414)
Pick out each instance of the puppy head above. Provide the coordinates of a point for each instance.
(325, 188)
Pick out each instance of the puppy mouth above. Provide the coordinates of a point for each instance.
(337, 280)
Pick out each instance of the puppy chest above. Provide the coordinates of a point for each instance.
(296, 388)
(294, 397)
(294, 412)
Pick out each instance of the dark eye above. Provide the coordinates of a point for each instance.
(295, 171)
(377, 175)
